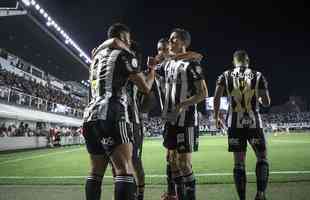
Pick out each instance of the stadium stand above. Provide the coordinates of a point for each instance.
(34, 103)
(19, 85)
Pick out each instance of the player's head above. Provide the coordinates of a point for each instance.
(121, 32)
(179, 40)
(241, 58)
(163, 47)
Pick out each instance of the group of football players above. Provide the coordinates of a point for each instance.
(121, 89)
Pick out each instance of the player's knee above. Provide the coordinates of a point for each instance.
(185, 166)
(124, 167)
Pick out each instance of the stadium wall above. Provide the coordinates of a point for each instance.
(16, 143)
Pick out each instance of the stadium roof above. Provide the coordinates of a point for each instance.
(23, 37)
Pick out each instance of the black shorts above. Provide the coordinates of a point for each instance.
(102, 136)
(138, 136)
(238, 138)
(183, 139)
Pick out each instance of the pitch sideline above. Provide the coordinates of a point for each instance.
(39, 156)
(147, 176)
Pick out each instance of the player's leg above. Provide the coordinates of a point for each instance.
(98, 160)
(239, 171)
(94, 180)
(186, 144)
(237, 144)
(140, 178)
(173, 173)
(121, 158)
(137, 161)
(258, 143)
(171, 190)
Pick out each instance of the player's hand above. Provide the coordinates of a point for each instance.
(189, 56)
(179, 108)
(218, 123)
(151, 62)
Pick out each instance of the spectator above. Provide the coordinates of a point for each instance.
(35, 89)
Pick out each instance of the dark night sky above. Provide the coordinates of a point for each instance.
(276, 35)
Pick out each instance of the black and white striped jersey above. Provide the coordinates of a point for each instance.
(242, 85)
(134, 100)
(178, 84)
(109, 74)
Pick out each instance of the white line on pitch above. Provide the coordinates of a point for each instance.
(147, 176)
(38, 156)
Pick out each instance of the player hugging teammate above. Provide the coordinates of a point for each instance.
(113, 129)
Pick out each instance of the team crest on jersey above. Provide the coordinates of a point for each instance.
(134, 63)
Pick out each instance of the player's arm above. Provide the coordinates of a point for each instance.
(112, 43)
(144, 83)
(263, 93)
(189, 56)
(201, 94)
(219, 91)
(195, 75)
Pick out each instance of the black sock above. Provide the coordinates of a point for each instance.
(93, 187)
(240, 181)
(124, 187)
(190, 186)
(262, 175)
(140, 192)
(178, 180)
(170, 183)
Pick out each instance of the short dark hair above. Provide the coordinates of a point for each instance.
(241, 56)
(184, 35)
(116, 29)
(163, 40)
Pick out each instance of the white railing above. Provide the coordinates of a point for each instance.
(13, 96)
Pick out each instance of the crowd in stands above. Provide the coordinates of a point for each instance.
(23, 130)
(154, 126)
(19, 131)
(290, 117)
(38, 90)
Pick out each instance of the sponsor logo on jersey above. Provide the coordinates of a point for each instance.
(180, 138)
(233, 141)
(246, 121)
(107, 141)
(255, 141)
(237, 75)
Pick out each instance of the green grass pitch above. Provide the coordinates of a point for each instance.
(65, 168)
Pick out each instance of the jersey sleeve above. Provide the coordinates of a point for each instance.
(129, 63)
(262, 84)
(195, 72)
